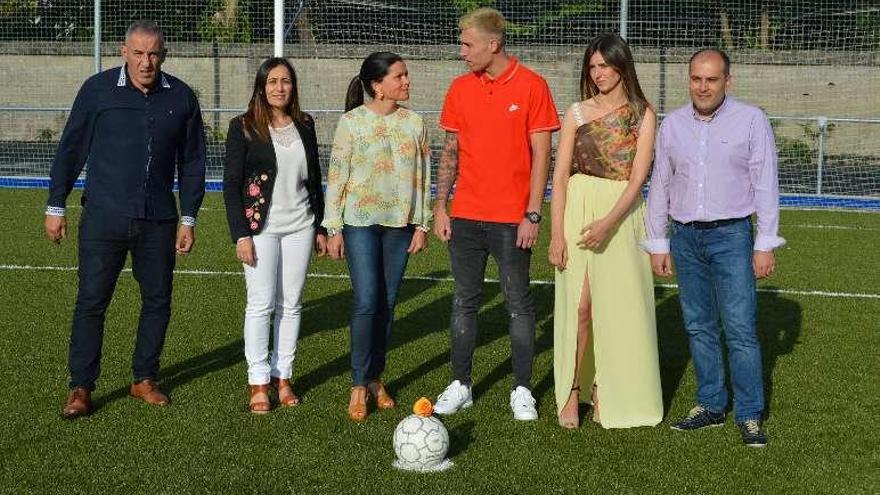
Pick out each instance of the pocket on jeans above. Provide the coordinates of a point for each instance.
(742, 228)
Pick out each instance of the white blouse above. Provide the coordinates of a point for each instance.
(289, 210)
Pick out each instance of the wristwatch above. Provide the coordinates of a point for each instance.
(533, 216)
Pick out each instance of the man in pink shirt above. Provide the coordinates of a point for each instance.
(715, 166)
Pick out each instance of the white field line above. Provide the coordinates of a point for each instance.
(422, 278)
(784, 226)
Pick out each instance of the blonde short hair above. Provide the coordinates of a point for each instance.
(487, 20)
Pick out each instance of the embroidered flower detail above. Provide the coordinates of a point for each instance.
(255, 202)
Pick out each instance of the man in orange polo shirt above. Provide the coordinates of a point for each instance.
(498, 120)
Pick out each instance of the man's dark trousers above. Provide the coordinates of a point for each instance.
(105, 239)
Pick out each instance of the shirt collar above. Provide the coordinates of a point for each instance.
(718, 110)
(123, 78)
(504, 77)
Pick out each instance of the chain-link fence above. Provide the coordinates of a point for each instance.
(813, 66)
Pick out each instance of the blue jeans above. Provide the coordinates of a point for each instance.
(716, 281)
(105, 239)
(471, 244)
(376, 257)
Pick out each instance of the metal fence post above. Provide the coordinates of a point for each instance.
(822, 126)
(624, 14)
(97, 36)
(279, 28)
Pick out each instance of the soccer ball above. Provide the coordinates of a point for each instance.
(420, 444)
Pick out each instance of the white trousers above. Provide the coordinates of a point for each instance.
(275, 284)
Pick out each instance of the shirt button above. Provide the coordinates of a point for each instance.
(701, 185)
(701, 163)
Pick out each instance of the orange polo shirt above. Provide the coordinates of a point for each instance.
(493, 119)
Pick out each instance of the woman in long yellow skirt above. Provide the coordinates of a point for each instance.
(605, 334)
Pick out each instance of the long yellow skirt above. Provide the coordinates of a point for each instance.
(621, 356)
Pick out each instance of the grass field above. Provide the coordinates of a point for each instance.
(818, 319)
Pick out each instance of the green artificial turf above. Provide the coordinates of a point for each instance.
(820, 355)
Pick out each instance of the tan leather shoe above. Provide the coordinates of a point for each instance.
(357, 405)
(383, 398)
(79, 403)
(259, 402)
(147, 391)
(286, 396)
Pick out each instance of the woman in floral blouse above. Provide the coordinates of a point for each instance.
(378, 211)
(274, 207)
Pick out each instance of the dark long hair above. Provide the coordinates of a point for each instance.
(373, 69)
(616, 53)
(258, 114)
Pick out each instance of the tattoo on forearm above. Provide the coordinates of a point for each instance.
(448, 170)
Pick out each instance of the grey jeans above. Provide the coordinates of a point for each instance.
(471, 244)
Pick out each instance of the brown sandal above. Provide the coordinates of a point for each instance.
(569, 422)
(357, 405)
(286, 396)
(383, 398)
(259, 402)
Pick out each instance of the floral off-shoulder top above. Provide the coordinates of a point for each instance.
(379, 171)
(605, 147)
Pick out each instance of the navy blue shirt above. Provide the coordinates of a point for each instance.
(133, 142)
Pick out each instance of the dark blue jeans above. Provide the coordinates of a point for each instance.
(105, 239)
(471, 244)
(716, 281)
(376, 257)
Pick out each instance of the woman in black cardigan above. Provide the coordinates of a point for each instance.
(274, 207)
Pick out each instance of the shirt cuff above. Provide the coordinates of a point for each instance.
(656, 246)
(768, 242)
(423, 228)
(55, 211)
(188, 221)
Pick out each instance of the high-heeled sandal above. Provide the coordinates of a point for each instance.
(383, 398)
(259, 399)
(571, 422)
(594, 398)
(286, 396)
(357, 405)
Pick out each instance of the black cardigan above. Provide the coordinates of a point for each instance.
(249, 172)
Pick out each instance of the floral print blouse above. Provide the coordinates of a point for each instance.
(379, 171)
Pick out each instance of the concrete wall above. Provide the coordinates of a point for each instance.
(853, 91)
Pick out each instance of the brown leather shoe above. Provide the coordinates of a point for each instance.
(357, 405)
(259, 401)
(148, 391)
(79, 403)
(383, 398)
(286, 396)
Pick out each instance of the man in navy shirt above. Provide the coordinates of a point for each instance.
(137, 128)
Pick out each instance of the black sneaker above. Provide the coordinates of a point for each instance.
(699, 417)
(751, 433)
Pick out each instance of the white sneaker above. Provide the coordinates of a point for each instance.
(523, 404)
(454, 398)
